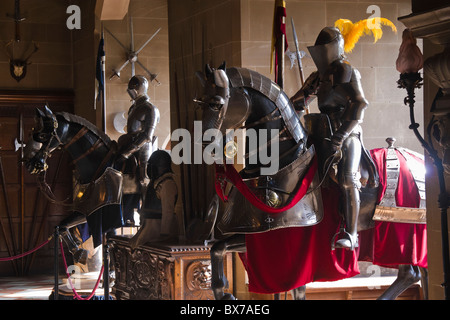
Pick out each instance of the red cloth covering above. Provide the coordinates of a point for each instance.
(284, 259)
(390, 244)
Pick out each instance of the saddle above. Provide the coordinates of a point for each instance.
(275, 191)
(319, 131)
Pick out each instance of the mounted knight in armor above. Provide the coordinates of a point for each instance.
(337, 86)
(135, 147)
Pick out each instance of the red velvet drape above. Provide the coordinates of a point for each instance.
(283, 259)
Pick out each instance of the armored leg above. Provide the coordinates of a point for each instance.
(350, 186)
(299, 293)
(144, 156)
(79, 255)
(424, 282)
(407, 276)
(235, 243)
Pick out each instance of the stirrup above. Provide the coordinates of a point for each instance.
(347, 236)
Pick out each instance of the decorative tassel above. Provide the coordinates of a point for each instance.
(352, 32)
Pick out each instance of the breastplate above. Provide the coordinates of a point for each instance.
(136, 118)
(331, 103)
(138, 115)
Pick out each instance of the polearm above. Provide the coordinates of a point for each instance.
(299, 59)
(17, 19)
(279, 41)
(22, 194)
(297, 51)
(280, 70)
(104, 83)
(100, 76)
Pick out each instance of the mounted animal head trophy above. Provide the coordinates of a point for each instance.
(18, 66)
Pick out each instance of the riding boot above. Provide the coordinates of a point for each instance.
(349, 236)
(79, 255)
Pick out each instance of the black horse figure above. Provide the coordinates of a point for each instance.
(262, 199)
(98, 189)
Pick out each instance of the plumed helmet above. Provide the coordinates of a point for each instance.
(327, 35)
(329, 47)
(160, 163)
(137, 87)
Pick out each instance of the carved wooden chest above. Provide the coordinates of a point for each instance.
(160, 271)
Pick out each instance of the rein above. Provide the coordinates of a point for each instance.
(44, 186)
(265, 119)
(228, 172)
(48, 193)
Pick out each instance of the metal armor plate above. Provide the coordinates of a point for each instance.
(241, 77)
(240, 216)
(104, 191)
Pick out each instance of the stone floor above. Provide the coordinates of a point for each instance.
(26, 288)
(41, 287)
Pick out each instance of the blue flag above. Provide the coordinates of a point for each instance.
(100, 76)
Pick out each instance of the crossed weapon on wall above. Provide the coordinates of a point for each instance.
(132, 55)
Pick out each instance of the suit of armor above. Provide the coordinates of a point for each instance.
(143, 117)
(337, 87)
(157, 215)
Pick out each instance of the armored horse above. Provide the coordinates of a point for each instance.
(99, 186)
(293, 198)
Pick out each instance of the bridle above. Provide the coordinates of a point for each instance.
(48, 148)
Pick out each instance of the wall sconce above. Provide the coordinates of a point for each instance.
(409, 62)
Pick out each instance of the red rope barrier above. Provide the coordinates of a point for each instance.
(26, 253)
(65, 264)
(77, 296)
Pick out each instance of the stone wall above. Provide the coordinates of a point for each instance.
(51, 65)
(376, 62)
(148, 17)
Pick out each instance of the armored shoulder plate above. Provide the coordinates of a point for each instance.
(241, 77)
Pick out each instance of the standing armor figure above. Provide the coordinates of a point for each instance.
(143, 117)
(157, 215)
(337, 87)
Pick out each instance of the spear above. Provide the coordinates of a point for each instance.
(297, 51)
(299, 58)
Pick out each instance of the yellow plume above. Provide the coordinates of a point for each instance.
(353, 31)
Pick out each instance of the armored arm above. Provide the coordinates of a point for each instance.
(306, 93)
(354, 111)
(140, 137)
